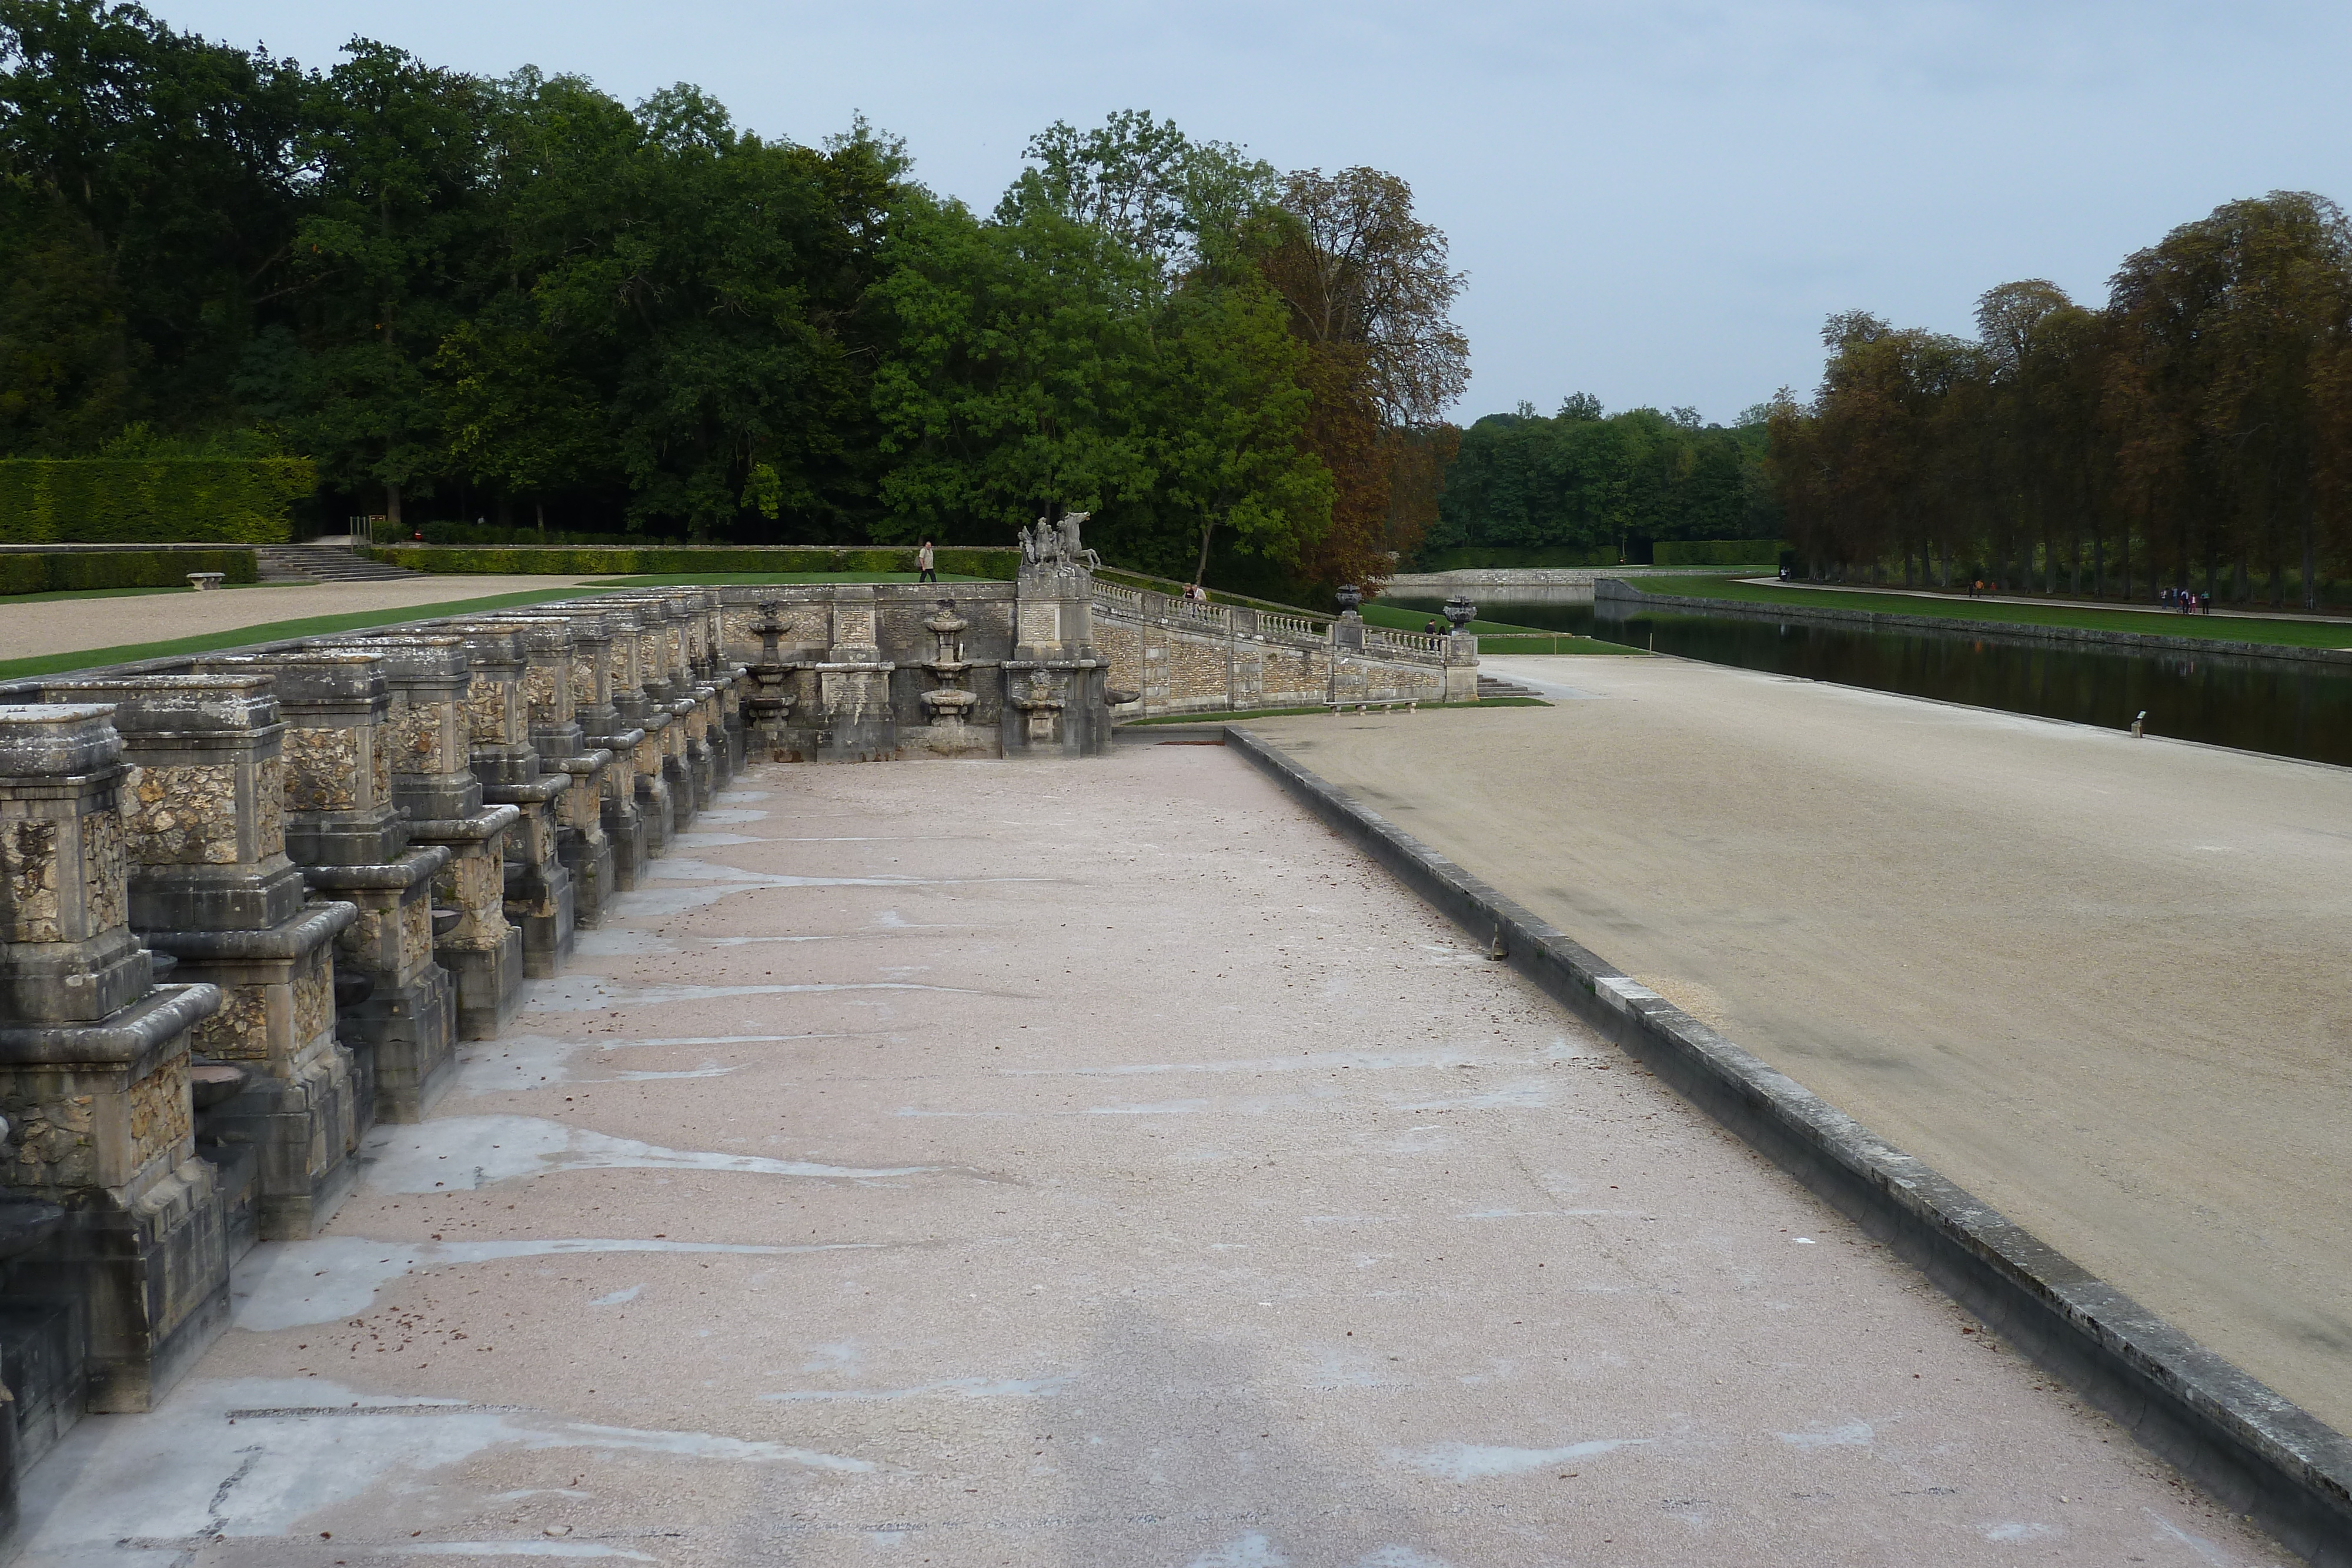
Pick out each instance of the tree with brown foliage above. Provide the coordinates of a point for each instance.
(1370, 291)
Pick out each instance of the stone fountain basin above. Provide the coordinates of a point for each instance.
(945, 701)
(211, 1084)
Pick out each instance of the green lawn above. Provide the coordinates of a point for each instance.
(273, 632)
(1960, 608)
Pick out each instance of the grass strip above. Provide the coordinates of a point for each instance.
(1324, 708)
(272, 632)
(1964, 612)
(763, 579)
(48, 595)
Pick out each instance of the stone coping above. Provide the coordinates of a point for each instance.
(161, 1014)
(316, 923)
(2255, 1450)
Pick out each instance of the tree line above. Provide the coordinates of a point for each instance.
(1608, 484)
(2194, 432)
(522, 298)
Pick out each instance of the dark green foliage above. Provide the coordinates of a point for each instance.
(1472, 558)
(67, 571)
(1717, 552)
(99, 500)
(521, 299)
(1583, 482)
(999, 564)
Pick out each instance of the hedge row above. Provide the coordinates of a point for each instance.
(599, 561)
(1719, 552)
(27, 572)
(165, 500)
(1472, 558)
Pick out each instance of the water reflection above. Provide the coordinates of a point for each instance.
(2250, 704)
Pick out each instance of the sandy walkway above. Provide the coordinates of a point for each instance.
(1090, 1164)
(2100, 982)
(30, 629)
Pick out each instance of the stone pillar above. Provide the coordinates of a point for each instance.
(539, 893)
(559, 652)
(1461, 668)
(94, 1062)
(1055, 686)
(347, 832)
(606, 767)
(428, 679)
(662, 654)
(210, 883)
(637, 836)
(854, 720)
(720, 676)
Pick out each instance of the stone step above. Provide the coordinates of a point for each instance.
(323, 563)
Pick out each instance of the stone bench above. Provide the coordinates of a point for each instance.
(200, 580)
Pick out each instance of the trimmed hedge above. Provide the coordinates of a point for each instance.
(599, 561)
(1719, 552)
(70, 570)
(163, 500)
(1472, 558)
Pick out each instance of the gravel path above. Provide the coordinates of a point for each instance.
(2098, 981)
(33, 629)
(1091, 1165)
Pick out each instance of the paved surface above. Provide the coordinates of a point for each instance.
(30, 629)
(2098, 981)
(1090, 1164)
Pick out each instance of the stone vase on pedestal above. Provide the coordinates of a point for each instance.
(94, 1083)
(1055, 701)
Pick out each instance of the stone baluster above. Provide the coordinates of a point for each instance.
(538, 890)
(565, 654)
(429, 679)
(210, 884)
(94, 1083)
(346, 829)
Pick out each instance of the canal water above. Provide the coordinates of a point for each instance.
(2254, 704)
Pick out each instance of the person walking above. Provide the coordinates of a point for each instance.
(923, 563)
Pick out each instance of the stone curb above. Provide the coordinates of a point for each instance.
(2257, 1452)
(1995, 630)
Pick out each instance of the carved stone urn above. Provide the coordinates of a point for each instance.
(1460, 612)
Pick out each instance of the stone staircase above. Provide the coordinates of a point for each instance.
(323, 563)
(1492, 686)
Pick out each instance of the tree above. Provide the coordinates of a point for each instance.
(1370, 290)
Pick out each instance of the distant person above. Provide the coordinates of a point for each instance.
(924, 562)
(1430, 627)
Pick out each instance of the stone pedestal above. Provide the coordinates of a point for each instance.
(210, 884)
(666, 687)
(428, 679)
(1055, 701)
(538, 890)
(855, 720)
(133, 1283)
(621, 697)
(562, 651)
(346, 831)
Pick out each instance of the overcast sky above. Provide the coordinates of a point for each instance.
(1656, 202)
